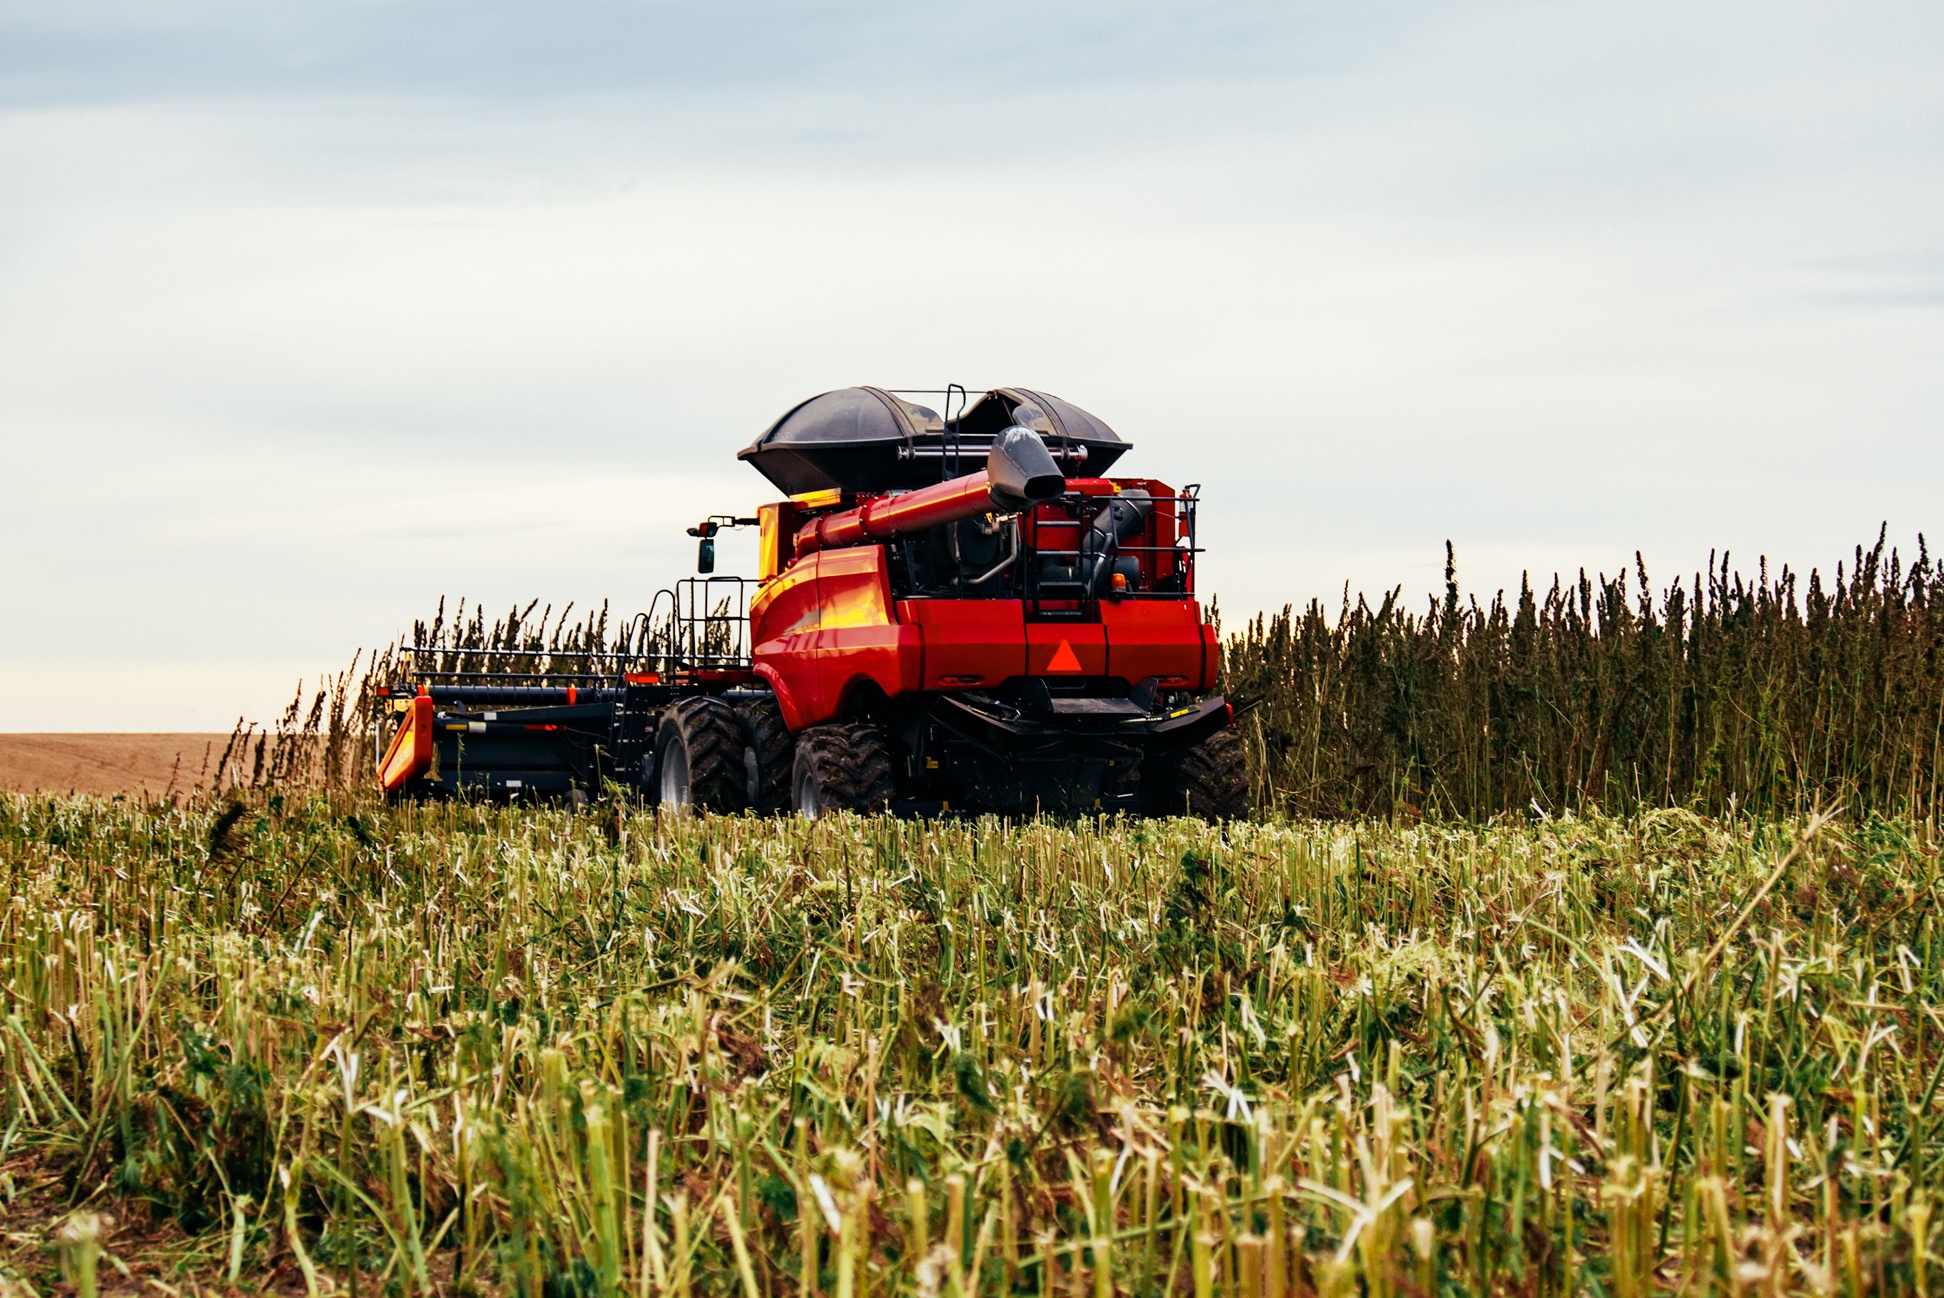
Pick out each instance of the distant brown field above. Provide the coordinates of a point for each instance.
(105, 764)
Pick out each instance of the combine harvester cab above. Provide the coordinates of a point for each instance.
(951, 614)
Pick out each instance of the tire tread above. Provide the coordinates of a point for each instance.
(713, 735)
(852, 766)
(775, 749)
(1209, 781)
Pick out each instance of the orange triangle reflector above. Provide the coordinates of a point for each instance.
(1064, 659)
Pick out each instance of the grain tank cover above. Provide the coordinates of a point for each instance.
(871, 440)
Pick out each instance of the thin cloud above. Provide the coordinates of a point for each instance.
(311, 315)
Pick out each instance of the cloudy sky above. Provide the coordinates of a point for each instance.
(312, 313)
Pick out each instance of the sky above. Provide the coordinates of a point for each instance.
(313, 314)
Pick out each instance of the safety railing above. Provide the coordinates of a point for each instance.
(700, 624)
(1161, 572)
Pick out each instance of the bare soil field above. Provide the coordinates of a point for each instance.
(105, 764)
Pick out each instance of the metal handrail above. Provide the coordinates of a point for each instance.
(517, 653)
(695, 631)
(1034, 594)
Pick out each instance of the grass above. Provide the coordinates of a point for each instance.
(315, 1044)
(1728, 694)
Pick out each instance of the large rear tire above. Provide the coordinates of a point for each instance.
(841, 768)
(770, 756)
(1209, 781)
(699, 757)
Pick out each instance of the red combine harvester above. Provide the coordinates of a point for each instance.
(954, 613)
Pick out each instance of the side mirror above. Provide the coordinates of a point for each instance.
(705, 555)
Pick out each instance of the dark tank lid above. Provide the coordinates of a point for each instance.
(870, 440)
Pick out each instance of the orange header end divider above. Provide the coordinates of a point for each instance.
(410, 754)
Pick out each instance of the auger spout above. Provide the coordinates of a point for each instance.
(1019, 472)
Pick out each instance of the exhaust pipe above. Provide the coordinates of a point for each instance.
(1125, 515)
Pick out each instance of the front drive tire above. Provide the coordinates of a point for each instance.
(841, 768)
(1209, 781)
(699, 757)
